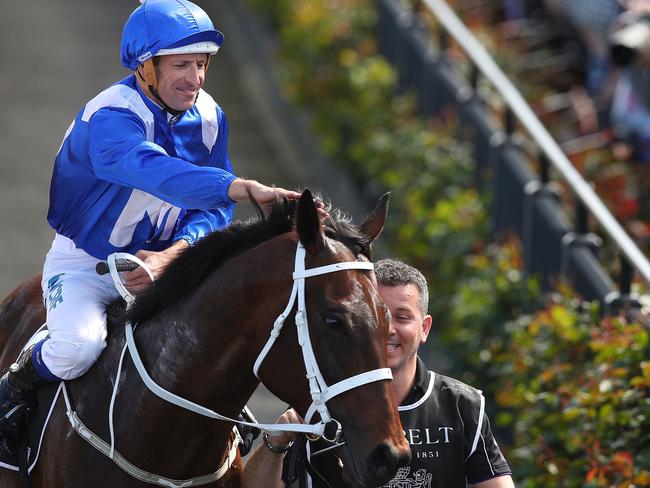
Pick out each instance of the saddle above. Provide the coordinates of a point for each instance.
(38, 413)
(19, 450)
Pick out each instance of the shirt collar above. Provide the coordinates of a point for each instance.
(420, 385)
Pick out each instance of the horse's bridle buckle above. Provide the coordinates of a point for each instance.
(331, 433)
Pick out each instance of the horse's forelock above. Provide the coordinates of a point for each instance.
(341, 228)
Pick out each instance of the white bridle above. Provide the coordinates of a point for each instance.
(318, 388)
(320, 391)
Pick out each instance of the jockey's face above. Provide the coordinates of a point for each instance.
(180, 77)
(408, 327)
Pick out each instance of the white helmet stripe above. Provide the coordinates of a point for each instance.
(207, 47)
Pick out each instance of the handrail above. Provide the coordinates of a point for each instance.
(481, 59)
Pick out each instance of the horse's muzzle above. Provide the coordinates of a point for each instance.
(381, 465)
(384, 461)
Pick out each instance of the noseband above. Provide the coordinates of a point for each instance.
(318, 387)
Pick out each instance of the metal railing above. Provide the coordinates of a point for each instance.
(410, 51)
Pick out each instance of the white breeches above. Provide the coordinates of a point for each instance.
(75, 300)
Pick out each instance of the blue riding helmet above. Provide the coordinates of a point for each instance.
(160, 27)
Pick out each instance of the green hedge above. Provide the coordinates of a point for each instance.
(570, 392)
(580, 388)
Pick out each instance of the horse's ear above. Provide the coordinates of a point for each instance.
(374, 223)
(308, 222)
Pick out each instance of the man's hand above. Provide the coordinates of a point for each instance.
(282, 439)
(637, 5)
(264, 467)
(242, 190)
(138, 280)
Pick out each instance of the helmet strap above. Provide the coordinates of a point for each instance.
(146, 76)
(148, 82)
(150, 73)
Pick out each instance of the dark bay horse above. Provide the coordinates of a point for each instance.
(200, 328)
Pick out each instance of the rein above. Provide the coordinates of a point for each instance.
(328, 428)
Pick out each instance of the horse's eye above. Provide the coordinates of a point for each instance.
(333, 321)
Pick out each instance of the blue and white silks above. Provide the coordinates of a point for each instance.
(128, 176)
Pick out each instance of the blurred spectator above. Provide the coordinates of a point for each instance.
(514, 9)
(616, 37)
(592, 20)
(629, 42)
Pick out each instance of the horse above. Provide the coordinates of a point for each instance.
(200, 327)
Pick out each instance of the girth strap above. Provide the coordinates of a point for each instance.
(108, 451)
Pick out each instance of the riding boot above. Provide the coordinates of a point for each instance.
(17, 394)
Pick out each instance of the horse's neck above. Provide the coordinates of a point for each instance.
(185, 363)
(201, 354)
(204, 350)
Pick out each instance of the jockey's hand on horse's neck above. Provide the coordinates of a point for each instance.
(242, 190)
(138, 280)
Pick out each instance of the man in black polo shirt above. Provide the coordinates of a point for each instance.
(444, 420)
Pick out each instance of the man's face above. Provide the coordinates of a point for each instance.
(408, 328)
(180, 77)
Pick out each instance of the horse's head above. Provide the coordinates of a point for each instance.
(348, 327)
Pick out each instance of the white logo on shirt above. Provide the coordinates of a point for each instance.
(417, 437)
(421, 479)
(143, 205)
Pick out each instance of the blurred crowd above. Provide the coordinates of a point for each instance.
(614, 93)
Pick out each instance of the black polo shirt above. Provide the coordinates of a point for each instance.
(449, 433)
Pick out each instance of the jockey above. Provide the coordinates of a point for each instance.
(143, 168)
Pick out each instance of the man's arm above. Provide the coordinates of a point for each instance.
(120, 153)
(504, 481)
(196, 224)
(264, 467)
(488, 461)
(243, 190)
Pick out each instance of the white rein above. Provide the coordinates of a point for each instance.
(319, 390)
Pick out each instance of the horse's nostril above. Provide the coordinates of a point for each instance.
(404, 458)
(384, 461)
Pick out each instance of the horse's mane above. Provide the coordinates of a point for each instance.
(195, 264)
